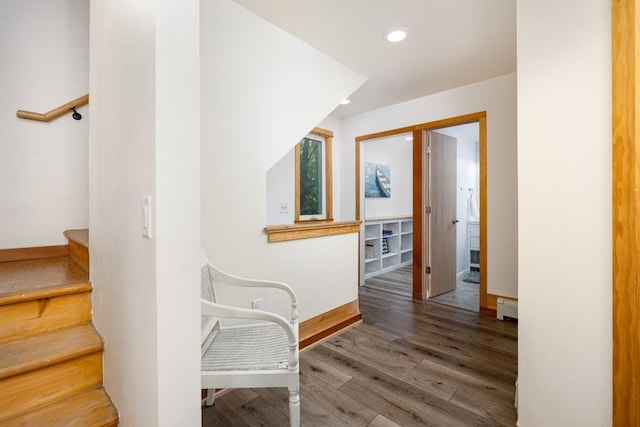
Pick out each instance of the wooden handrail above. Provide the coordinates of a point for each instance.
(56, 112)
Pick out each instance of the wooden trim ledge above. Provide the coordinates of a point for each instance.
(283, 233)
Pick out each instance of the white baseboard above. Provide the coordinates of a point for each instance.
(460, 275)
(507, 308)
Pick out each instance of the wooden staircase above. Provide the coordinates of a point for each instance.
(50, 353)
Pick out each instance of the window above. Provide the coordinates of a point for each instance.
(313, 177)
(311, 180)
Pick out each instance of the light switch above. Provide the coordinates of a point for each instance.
(146, 216)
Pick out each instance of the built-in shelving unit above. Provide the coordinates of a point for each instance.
(387, 245)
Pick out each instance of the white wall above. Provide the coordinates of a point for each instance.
(281, 189)
(44, 46)
(564, 220)
(396, 152)
(257, 76)
(144, 140)
(498, 98)
(178, 229)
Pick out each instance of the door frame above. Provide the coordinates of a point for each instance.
(488, 303)
(625, 36)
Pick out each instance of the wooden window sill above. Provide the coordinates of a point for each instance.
(283, 233)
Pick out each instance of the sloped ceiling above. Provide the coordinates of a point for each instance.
(451, 43)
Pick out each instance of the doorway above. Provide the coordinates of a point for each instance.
(420, 241)
(453, 158)
(387, 209)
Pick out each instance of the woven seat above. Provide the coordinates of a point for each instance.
(256, 355)
(253, 348)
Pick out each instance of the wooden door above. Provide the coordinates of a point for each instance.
(442, 159)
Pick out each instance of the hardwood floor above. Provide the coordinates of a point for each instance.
(466, 296)
(399, 282)
(408, 364)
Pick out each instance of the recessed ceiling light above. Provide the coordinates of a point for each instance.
(409, 138)
(397, 34)
(345, 101)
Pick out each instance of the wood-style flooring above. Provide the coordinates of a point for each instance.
(396, 282)
(466, 295)
(407, 364)
(400, 282)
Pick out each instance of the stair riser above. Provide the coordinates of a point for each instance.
(36, 389)
(90, 408)
(28, 318)
(50, 353)
(80, 254)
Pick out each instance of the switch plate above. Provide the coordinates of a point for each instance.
(146, 216)
(284, 208)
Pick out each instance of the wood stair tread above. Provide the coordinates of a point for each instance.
(19, 356)
(41, 278)
(90, 408)
(51, 367)
(79, 236)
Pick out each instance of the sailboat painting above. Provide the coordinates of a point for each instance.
(377, 180)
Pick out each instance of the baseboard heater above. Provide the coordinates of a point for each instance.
(507, 309)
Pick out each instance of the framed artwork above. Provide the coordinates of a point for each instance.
(377, 180)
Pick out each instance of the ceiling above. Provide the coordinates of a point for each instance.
(451, 43)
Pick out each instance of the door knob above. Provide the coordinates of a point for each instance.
(455, 221)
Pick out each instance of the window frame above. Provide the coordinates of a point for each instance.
(327, 174)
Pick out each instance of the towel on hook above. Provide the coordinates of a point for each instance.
(474, 212)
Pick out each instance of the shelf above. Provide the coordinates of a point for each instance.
(399, 243)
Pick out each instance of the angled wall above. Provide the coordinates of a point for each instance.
(262, 90)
